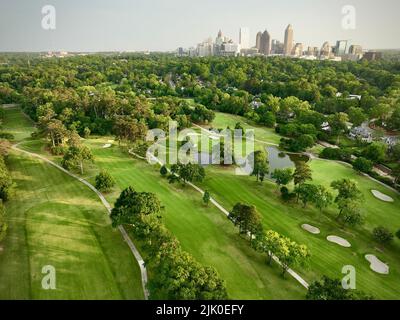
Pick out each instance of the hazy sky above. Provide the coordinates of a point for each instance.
(109, 25)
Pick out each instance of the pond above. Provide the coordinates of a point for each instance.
(277, 159)
(280, 160)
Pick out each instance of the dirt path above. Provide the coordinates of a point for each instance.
(107, 205)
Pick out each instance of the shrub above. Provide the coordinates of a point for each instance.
(104, 181)
(163, 171)
(6, 135)
(363, 165)
(58, 150)
(382, 235)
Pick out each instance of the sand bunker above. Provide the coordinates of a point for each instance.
(310, 228)
(377, 265)
(107, 145)
(381, 196)
(340, 241)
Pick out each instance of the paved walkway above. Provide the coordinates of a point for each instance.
(107, 205)
(225, 212)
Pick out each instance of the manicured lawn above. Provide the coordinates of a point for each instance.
(327, 258)
(203, 231)
(16, 123)
(222, 120)
(55, 220)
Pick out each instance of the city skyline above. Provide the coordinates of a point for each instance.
(159, 26)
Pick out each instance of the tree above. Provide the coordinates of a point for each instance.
(3, 223)
(270, 243)
(163, 171)
(348, 201)
(306, 193)
(350, 212)
(382, 235)
(357, 116)
(291, 254)
(6, 182)
(260, 165)
(247, 218)
(322, 198)
(338, 124)
(104, 181)
(76, 156)
(347, 189)
(375, 152)
(131, 204)
(206, 197)
(302, 173)
(363, 165)
(396, 173)
(332, 289)
(282, 176)
(187, 173)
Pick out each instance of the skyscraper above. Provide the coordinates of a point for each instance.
(244, 38)
(326, 49)
(265, 46)
(258, 41)
(288, 45)
(342, 47)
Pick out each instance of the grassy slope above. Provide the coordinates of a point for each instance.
(55, 220)
(327, 258)
(202, 231)
(222, 120)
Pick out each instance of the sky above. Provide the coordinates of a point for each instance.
(164, 25)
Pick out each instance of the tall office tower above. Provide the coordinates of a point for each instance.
(265, 46)
(341, 47)
(355, 49)
(219, 40)
(244, 38)
(298, 50)
(258, 41)
(326, 49)
(276, 47)
(288, 45)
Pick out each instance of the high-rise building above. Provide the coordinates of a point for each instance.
(342, 47)
(288, 44)
(326, 49)
(244, 38)
(373, 55)
(355, 49)
(265, 46)
(298, 50)
(258, 40)
(277, 47)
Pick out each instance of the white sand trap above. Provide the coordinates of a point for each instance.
(377, 265)
(382, 196)
(311, 229)
(340, 241)
(107, 145)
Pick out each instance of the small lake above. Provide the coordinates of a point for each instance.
(277, 159)
(280, 160)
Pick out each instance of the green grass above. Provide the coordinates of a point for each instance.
(222, 120)
(16, 123)
(327, 258)
(203, 231)
(55, 220)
